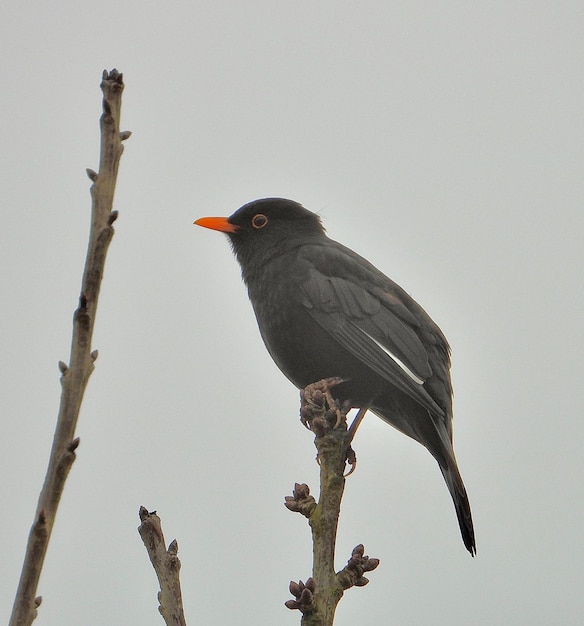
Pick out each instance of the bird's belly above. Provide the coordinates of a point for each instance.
(305, 353)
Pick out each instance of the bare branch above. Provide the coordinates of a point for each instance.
(318, 598)
(76, 374)
(166, 565)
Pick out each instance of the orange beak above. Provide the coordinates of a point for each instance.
(217, 223)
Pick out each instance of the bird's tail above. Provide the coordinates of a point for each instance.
(461, 504)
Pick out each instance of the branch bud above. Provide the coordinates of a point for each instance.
(303, 594)
(294, 588)
(300, 501)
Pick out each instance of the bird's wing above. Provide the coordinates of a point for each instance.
(366, 315)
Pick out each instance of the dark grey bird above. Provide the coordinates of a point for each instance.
(324, 311)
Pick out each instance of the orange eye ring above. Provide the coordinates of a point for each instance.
(259, 220)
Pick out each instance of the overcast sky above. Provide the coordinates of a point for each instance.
(444, 142)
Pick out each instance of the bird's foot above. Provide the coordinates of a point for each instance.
(334, 404)
(319, 411)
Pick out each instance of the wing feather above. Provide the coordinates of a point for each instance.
(373, 356)
(331, 294)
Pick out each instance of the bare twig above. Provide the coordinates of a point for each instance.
(166, 565)
(75, 375)
(318, 598)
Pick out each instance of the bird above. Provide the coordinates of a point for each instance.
(325, 311)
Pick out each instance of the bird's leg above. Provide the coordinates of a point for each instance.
(357, 421)
(351, 455)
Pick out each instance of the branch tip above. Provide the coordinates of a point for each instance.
(112, 75)
(144, 514)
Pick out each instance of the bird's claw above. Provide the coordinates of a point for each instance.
(351, 460)
(318, 407)
(309, 408)
(333, 405)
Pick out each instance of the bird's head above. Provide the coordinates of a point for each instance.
(263, 228)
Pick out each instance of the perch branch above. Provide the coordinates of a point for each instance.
(317, 599)
(81, 362)
(166, 565)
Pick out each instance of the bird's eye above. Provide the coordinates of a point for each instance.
(259, 220)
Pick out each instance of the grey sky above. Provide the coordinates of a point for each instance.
(442, 141)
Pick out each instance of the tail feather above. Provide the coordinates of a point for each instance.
(461, 504)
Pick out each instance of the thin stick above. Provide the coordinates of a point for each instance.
(166, 565)
(81, 363)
